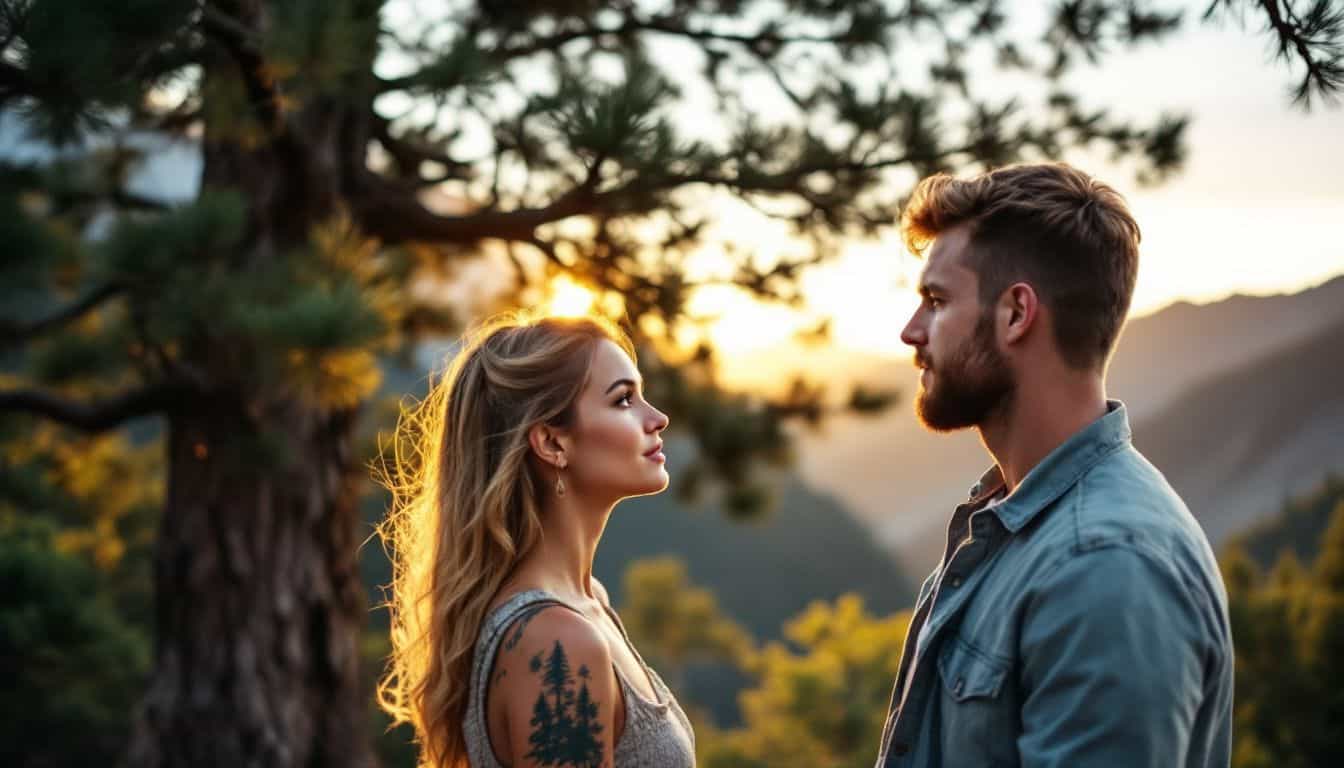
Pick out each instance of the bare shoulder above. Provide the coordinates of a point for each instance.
(555, 683)
(601, 592)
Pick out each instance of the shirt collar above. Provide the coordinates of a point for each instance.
(1058, 471)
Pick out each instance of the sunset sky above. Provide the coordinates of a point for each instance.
(1257, 209)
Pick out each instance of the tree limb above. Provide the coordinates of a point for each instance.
(98, 416)
(13, 334)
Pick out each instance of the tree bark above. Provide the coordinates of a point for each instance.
(259, 604)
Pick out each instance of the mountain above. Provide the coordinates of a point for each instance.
(1161, 355)
(1245, 441)
(904, 481)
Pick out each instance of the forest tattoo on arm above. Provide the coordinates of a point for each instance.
(565, 728)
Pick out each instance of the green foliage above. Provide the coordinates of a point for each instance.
(823, 704)
(84, 59)
(1288, 631)
(1297, 527)
(73, 668)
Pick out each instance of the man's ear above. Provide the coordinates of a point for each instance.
(1019, 308)
(548, 443)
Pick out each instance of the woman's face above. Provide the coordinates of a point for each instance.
(615, 442)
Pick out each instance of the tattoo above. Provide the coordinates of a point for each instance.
(514, 637)
(565, 727)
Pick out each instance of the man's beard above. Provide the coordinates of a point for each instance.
(970, 384)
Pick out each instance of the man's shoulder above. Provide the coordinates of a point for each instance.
(1122, 500)
(1126, 490)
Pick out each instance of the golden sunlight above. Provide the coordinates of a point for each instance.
(569, 299)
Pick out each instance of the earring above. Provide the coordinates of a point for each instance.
(559, 485)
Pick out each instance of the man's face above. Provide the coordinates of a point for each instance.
(964, 376)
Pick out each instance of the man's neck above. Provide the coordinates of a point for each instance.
(1037, 421)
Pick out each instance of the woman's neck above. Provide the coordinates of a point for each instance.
(562, 561)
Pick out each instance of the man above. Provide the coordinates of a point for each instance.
(1077, 617)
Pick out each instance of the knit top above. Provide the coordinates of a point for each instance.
(657, 733)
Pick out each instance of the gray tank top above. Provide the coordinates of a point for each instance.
(656, 733)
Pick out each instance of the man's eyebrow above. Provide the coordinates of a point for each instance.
(931, 286)
(618, 383)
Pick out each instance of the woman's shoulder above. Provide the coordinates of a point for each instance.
(553, 676)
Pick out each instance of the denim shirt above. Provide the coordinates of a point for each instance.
(1081, 622)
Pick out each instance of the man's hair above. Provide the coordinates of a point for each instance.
(1068, 235)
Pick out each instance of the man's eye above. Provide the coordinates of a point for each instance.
(935, 302)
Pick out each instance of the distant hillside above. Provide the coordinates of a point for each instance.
(808, 548)
(1297, 528)
(1242, 443)
(1162, 354)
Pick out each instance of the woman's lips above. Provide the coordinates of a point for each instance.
(656, 454)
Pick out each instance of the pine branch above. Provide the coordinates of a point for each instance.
(409, 155)
(15, 334)
(396, 218)
(763, 44)
(1325, 77)
(98, 416)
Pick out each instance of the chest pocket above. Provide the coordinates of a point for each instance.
(969, 674)
(977, 714)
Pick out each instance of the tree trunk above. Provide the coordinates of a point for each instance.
(259, 603)
(258, 598)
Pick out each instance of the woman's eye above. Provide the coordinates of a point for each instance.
(625, 399)
(935, 303)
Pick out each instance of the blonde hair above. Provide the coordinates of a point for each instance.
(465, 507)
(1071, 236)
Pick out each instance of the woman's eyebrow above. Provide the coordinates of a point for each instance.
(618, 383)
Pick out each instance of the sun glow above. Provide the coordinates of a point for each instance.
(569, 299)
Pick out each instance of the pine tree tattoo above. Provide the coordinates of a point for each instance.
(565, 727)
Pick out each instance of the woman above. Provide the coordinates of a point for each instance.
(506, 651)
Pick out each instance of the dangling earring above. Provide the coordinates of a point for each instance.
(560, 479)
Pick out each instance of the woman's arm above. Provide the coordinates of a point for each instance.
(560, 692)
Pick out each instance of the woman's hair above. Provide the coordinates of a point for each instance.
(465, 507)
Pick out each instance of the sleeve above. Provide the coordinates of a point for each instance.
(1112, 667)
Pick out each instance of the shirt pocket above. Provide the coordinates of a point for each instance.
(977, 717)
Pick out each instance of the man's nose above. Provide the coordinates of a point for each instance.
(914, 333)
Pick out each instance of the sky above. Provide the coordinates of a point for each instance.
(1256, 209)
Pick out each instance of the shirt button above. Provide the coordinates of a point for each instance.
(956, 582)
(899, 748)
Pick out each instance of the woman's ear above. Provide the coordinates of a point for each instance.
(548, 443)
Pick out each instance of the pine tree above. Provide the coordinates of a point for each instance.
(585, 745)
(544, 740)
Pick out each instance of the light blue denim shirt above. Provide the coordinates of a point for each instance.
(1082, 622)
